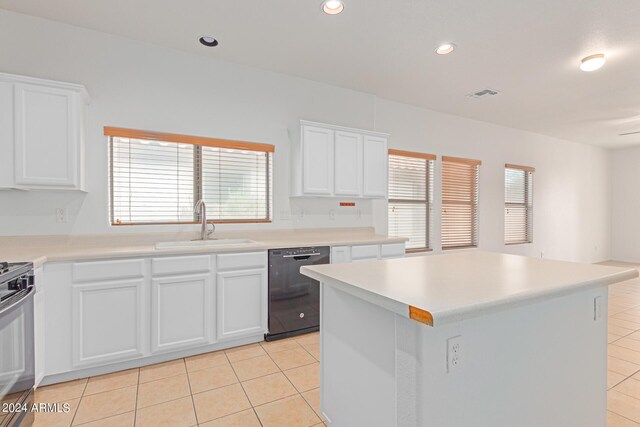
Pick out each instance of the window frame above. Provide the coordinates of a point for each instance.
(475, 203)
(197, 142)
(427, 202)
(528, 207)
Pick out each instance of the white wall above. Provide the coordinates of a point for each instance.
(144, 86)
(626, 205)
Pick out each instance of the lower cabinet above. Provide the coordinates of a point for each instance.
(107, 321)
(181, 312)
(241, 300)
(346, 254)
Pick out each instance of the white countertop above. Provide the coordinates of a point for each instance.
(41, 249)
(450, 287)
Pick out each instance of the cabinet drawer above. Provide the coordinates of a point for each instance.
(392, 250)
(340, 254)
(365, 252)
(180, 265)
(108, 270)
(242, 261)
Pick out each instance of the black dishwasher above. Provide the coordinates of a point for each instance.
(294, 299)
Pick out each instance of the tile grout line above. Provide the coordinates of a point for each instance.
(620, 415)
(79, 401)
(193, 403)
(135, 403)
(242, 387)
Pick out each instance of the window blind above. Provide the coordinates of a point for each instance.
(518, 204)
(157, 178)
(411, 197)
(459, 202)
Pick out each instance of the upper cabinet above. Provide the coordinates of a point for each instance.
(43, 127)
(333, 161)
(317, 160)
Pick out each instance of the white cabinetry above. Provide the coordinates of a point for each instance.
(43, 123)
(107, 321)
(375, 166)
(346, 254)
(340, 254)
(317, 159)
(334, 161)
(181, 308)
(181, 303)
(365, 252)
(241, 295)
(348, 164)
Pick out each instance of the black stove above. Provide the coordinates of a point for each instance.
(17, 372)
(14, 277)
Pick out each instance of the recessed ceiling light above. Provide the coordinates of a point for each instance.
(332, 7)
(209, 41)
(445, 48)
(592, 62)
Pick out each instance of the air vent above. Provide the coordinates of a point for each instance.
(485, 93)
(630, 133)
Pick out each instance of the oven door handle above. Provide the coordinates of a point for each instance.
(18, 302)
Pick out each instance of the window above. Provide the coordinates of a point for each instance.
(157, 178)
(410, 197)
(459, 202)
(518, 204)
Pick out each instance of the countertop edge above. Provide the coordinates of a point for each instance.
(149, 251)
(457, 314)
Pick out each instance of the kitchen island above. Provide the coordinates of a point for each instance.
(464, 339)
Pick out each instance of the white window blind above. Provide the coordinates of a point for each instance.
(459, 202)
(157, 178)
(518, 204)
(411, 197)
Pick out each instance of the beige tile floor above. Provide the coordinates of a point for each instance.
(268, 384)
(623, 377)
(277, 384)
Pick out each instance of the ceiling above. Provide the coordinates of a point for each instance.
(528, 50)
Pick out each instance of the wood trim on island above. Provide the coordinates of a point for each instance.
(187, 139)
(420, 315)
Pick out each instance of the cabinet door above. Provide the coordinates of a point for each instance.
(242, 303)
(340, 254)
(108, 321)
(348, 164)
(47, 137)
(317, 160)
(181, 309)
(375, 167)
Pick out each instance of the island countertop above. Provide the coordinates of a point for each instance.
(439, 289)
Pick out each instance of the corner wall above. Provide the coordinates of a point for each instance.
(625, 236)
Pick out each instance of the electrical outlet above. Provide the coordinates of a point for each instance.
(454, 353)
(332, 215)
(541, 254)
(301, 214)
(61, 215)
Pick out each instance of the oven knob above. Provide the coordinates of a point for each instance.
(302, 315)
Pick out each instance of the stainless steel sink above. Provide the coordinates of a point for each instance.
(203, 243)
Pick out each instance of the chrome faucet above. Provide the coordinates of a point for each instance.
(201, 209)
